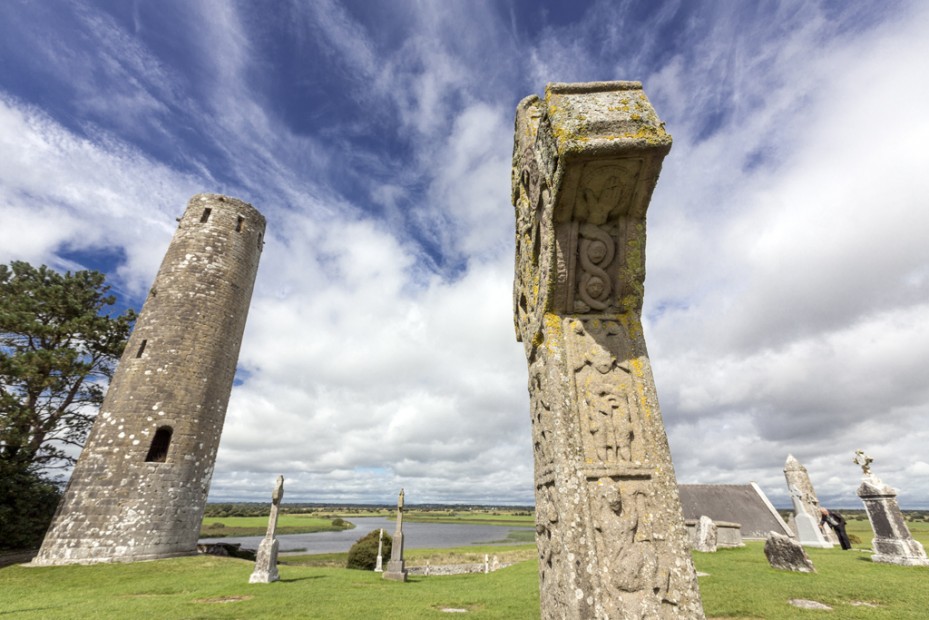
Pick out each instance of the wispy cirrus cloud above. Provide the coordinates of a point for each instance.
(787, 276)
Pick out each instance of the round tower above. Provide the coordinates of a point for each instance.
(139, 489)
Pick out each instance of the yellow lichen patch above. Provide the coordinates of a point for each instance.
(638, 371)
(538, 339)
(553, 331)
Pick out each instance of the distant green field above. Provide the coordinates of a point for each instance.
(216, 527)
(471, 518)
(740, 584)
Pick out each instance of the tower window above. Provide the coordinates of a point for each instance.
(206, 215)
(238, 224)
(158, 452)
(141, 348)
(260, 235)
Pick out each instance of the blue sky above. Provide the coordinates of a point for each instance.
(787, 294)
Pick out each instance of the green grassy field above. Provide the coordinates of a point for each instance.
(740, 584)
(216, 527)
(473, 518)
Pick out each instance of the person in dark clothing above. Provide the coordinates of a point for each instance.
(837, 523)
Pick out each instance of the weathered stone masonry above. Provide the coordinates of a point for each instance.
(140, 486)
(610, 531)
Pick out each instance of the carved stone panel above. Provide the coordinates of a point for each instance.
(610, 420)
(609, 527)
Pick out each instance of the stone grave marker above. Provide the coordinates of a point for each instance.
(705, 535)
(805, 526)
(785, 553)
(892, 543)
(266, 560)
(801, 488)
(379, 566)
(396, 569)
(610, 533)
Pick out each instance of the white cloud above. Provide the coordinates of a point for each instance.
(789, 296)
(62, 191)
(787, 267)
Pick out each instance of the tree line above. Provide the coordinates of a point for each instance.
(60, 339)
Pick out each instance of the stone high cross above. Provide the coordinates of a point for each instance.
(396, 569)
(610, 531)
(892, 542)
(266, 559)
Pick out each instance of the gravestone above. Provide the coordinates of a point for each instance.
(139, 488)
(379, 566)
(610, 533)
(396, 570)
(266, 560)
(705, 535)
(798, 479)
(805, 526)
(892, 543)
(785, 553)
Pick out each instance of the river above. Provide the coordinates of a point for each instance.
(415, 536)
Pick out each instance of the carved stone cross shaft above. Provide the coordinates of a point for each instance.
(610, 531)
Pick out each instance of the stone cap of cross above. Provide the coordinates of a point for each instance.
(864, 461)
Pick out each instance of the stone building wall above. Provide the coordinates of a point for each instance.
(140, 486)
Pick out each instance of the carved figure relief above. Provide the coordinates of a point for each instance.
(628, 550)
(541, 424)
(548, 543)
(605, 191)
(533, 246)
(611, 421)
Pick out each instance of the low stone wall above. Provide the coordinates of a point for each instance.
(455, 569)
(227, 550)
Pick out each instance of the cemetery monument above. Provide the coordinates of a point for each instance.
(892, 543)
(785, 553)
(396, 570)
(266, 560)
(379, 565)
(799, 479)
(610, 532)
(806, 526)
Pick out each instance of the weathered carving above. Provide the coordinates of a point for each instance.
(541, 425)
(610, 533)
(600, 351)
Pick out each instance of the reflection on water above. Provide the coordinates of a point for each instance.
(415, 536)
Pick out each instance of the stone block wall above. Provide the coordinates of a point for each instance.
(140, 486)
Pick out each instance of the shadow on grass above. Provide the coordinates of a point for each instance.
(296, 579)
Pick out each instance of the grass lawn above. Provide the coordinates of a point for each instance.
(740, 585)
(209, 587)
(216, 527)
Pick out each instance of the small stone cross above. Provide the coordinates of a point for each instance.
(864, 461)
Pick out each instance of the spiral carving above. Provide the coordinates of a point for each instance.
(596, 250)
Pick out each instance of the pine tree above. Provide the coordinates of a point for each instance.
(59, 344)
